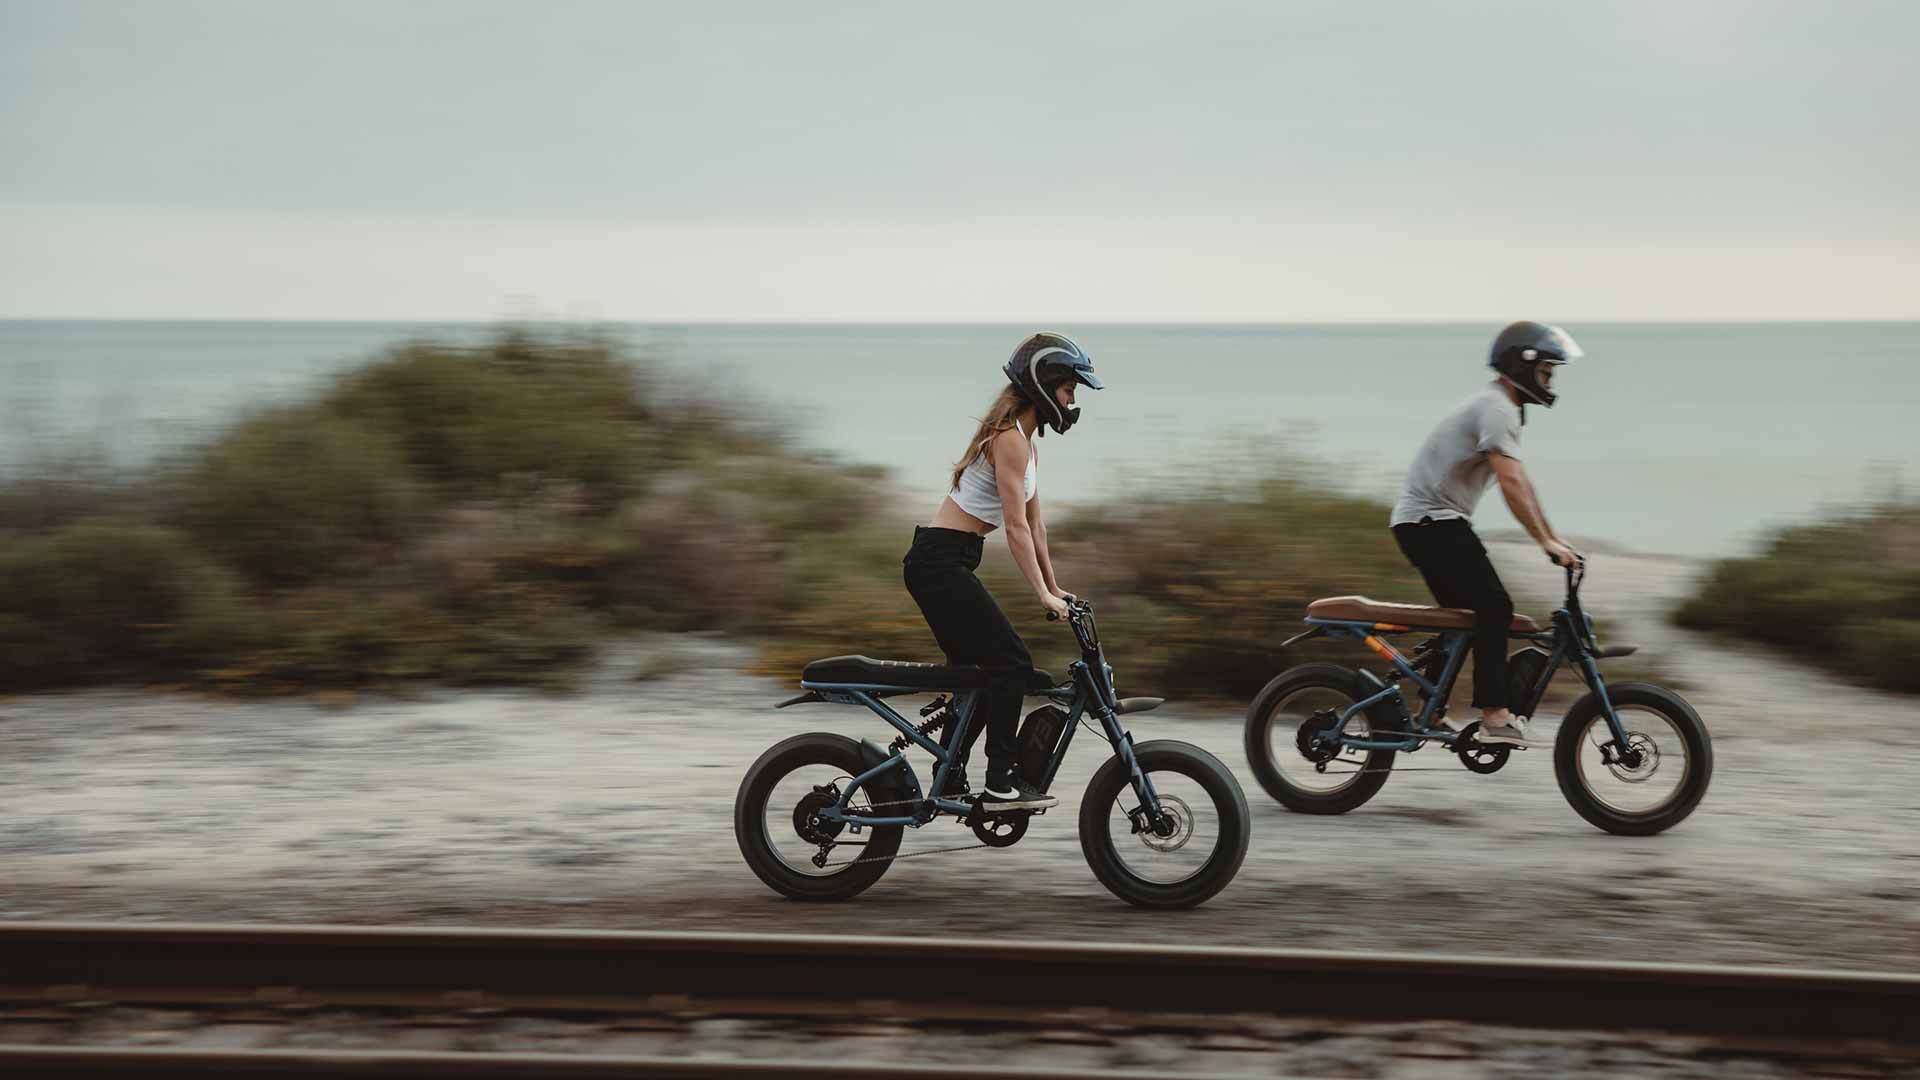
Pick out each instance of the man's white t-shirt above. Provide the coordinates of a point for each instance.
(1451, 471)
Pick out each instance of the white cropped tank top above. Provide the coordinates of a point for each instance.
(978, 492)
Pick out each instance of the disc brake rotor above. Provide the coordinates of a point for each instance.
(1181, 832)
(1648, 764)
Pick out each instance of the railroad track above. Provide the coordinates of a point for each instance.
(587, 972)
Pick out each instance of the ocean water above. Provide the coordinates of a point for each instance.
(1680, 438)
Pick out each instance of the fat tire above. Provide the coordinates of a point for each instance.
(1259, 743)
(750, 820)
(1229, 803)
(1693, 731)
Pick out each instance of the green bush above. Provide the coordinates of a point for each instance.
(1843, 594)
(1197, 592)
(343, 637)
(296, 495)
(846, 595)
(522, 406)
(451, 513)
(108, 600)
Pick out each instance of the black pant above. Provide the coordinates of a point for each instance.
(971, 629)
(1455, 564)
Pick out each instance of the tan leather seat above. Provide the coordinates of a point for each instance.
(1361, 609)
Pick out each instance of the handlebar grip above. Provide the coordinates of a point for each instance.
(1053, 616)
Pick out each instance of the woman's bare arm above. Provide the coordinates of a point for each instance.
(1010, 451)
(1040, 552)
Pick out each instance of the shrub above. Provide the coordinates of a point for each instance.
(328, 636)
(1844, 594)
(847, 596)
(62, 489)
(1197, 592)
(469, 418)
(108, 600)
(295, 495)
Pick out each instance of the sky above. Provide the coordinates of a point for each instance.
(1109, 161)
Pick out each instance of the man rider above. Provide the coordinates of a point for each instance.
(1474, 445)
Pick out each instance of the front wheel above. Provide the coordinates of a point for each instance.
(1647, 786)
(779, 837)
(1195, 848)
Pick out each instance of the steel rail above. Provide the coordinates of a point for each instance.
(163, 1064)
(619, 971)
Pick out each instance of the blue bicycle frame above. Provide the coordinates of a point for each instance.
(1088, 690)
(1570, 638)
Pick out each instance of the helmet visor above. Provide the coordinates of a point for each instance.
(1058, 366)
(1559, 347)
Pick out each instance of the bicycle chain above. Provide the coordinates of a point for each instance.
(910, 854)
(1415, 768)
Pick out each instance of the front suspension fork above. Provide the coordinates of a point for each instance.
(1591, 672)
(1148, 816)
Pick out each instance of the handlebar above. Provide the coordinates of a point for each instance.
(1075, 607)
(1575, 573)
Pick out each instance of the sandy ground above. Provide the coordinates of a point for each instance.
(611, 808)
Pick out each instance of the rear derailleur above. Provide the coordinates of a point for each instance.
(815, 829)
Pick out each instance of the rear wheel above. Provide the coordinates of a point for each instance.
(1281, 724)
(779, 835)
(1654, 781)
(1187, 856)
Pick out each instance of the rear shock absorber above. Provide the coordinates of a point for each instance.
(939, 716)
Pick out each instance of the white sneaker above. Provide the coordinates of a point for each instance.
(1014, 796)
(1511, 733)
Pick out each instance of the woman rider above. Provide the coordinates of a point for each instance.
(995, 484)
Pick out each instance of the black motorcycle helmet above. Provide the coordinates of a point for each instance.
(1042, 363)
(1520, 350)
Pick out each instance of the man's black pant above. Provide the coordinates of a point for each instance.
(1455, 564)
(971, 629)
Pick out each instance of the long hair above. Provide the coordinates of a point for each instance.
(1000, 416)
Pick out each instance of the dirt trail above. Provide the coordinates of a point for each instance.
(612, 808)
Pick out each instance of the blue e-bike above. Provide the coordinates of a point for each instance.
(1632, 758)
(820, 816)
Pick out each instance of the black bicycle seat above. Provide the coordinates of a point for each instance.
(868, 671)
